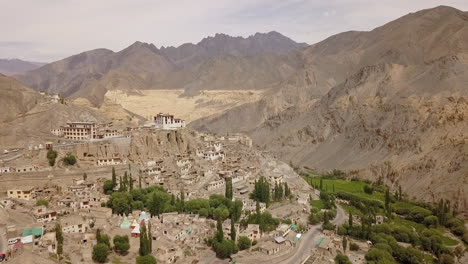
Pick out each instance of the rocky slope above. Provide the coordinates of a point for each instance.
(28, 116)
(394, 105)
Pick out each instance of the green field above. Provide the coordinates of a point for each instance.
(317, 204)
(353, 187)
(357, 188)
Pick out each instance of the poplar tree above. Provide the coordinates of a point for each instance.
(233, 231)
(228, 192)
(114, 178)
(219, 232)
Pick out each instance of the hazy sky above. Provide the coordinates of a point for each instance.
(48, 30)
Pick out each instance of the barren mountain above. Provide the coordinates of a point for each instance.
(223, 45)
(395, 106)
(211, 64)
(15, 66)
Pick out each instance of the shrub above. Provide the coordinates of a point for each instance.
(51, 156)
(244, 243)
(368, 189)
(121, 244)
(431, 221)
(353, 247)
(42, 202)
(148, 259)
(100, 252)
(69, 160)
(342, 259)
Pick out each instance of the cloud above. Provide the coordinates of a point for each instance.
(48, 30)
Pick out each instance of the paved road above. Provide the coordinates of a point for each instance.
(309, 240)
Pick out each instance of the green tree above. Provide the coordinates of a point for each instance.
(233, 231)
(345, 243)
(219, 231)
(130, 182)
(69, 160)
(350, 219)
(353, 247)
(121, 244)
(287, 191)
(236, 210)
(100, 252)
(261, 191)
(157, 204)
(114, 178)
(148, 259)
(144, 242)
(121, 203)
(244, 243)
(342, 259)
(59, 238)
(321, 184)
(225, 248)
(388, 209)
(51, 156)
(108, 187)
(228, 192)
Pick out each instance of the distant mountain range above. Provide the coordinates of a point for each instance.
(15, 66)
(143, 66)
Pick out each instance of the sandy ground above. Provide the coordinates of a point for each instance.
(149, 102)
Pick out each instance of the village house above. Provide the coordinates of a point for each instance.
(183, 162)
(213, 155)
(152, 170)
(77, 131)
(270, 248)
(68, 202)
(5, 169)
(43, 215)
(6, 202)
(283, 230)
(24, 193)
(78, 190)
(215, 184)
(252, 232)
(109, 161)
(27, 168)
(85, 204)
(74, 224)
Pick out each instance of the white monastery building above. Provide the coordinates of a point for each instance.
(167, 121)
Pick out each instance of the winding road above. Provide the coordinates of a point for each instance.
(309, 239)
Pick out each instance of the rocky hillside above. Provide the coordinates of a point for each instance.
(28, 116)
(213, 63)
(388, 103)
(16, 66)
